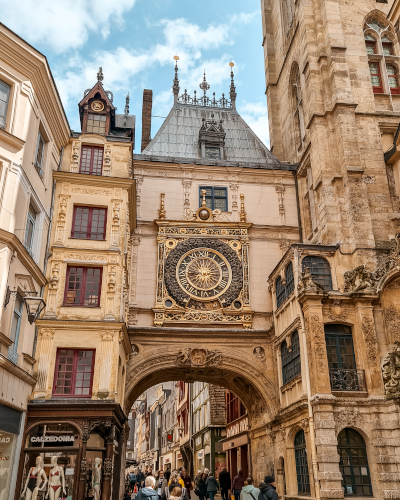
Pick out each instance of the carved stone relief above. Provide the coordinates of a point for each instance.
(199, 357)
(337, 311)
(348, 417)
(316, 342)
(368, 330)
(391, 372)
(392, 323)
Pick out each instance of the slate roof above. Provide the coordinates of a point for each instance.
(125, 121)
(178, 136)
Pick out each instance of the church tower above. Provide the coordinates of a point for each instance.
(333, 91)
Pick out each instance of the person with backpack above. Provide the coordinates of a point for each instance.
(238, 482)
(267, 489)
(249, 492)
(132, 480)
(139, 479)
(212, 486)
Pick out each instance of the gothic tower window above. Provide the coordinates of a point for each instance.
(380, 50)
(297, 105)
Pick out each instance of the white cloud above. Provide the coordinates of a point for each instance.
(256, 116)
(63, 24)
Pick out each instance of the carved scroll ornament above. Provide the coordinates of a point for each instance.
(199, 357)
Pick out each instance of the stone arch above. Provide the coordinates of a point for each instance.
(379, 16)
(242, 374)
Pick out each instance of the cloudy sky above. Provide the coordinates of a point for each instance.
(135, 41)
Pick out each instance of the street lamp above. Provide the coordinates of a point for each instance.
(180, 429)
(34, 306)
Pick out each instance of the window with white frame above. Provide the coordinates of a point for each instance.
(4, 98)
(40, 145)
(15, 328)
(30, 228)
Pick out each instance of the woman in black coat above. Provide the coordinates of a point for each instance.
(202, 487)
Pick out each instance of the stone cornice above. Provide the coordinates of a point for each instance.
(15, 244)
(93, 180)
(150, 333)
(16, 370)
(148, 161)
(32, 64)
(84, 325)
(11, 140)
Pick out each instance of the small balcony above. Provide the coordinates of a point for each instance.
(12, 355)
(347, 380)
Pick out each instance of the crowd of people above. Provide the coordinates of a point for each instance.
(177, 485)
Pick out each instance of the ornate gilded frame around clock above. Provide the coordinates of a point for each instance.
(229, 242)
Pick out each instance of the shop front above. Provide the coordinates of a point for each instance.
(10, 428)
(237, 447)
(72, 452)
(178, 460)
(166, 462)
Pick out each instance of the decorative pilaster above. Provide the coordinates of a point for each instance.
(107, 160)
(161, 210)
(116, 224)
(106, 352)
(234, 187)
(132, 308)
(110, 301)
(281, 190)
(243, 215)
(187, 184)
(139, 182)
(75, 156)
(51, 305)
(46, 337)
(61, 217)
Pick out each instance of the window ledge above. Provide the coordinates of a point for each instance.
(80, 305)
(350, 394)
(289, 385)
(11, 140)
(284, 305)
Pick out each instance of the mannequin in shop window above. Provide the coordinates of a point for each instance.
(96, 478)
(56, 480)
(36, 480)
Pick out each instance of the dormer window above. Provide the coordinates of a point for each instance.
(213, 153)
(96, 124)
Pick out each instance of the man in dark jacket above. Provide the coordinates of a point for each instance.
(139, 479)
(148, 492)
(224, 483)
(267, 489)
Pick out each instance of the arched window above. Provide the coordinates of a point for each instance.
(370, 44)
(393, 80)
(353, 465)
(320, 270)
(291, 364)
(300, 453)
(387, 46)
(289, 276)
(376, 80)
(280, 292)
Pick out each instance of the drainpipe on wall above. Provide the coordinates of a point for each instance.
(310, 411)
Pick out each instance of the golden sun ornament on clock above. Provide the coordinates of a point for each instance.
(203, 273)
(97, 106)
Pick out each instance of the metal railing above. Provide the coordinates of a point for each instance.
(347, 380)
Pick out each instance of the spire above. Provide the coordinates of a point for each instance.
(232, 93)
(127, 105)
(100, 76)
(204, 85)
(175, 86)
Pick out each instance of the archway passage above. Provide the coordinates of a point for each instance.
(221, 357)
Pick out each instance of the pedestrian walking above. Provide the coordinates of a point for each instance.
(201, 491)
(148, 492)
(132, 480)
(139, 479)
(164, 485)
(249, 491)
(212, 486)
(187, 481)
(159, 483)
(238, 483)
(224, 480)
(176, 493)
(267, 489)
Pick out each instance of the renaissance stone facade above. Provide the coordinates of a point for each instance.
(336, 301)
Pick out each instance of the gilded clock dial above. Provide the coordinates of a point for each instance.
(203, 273)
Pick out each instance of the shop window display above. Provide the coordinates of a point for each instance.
(7, 449)
(36, 480)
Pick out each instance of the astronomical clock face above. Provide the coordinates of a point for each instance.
(204, 273)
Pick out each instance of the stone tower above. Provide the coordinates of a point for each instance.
(334, 108)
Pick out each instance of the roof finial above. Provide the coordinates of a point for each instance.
(175, 86)
(127, 105)
(232, 93)
(100, 76)
(204, 85)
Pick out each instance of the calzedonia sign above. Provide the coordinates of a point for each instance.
(52, 439)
